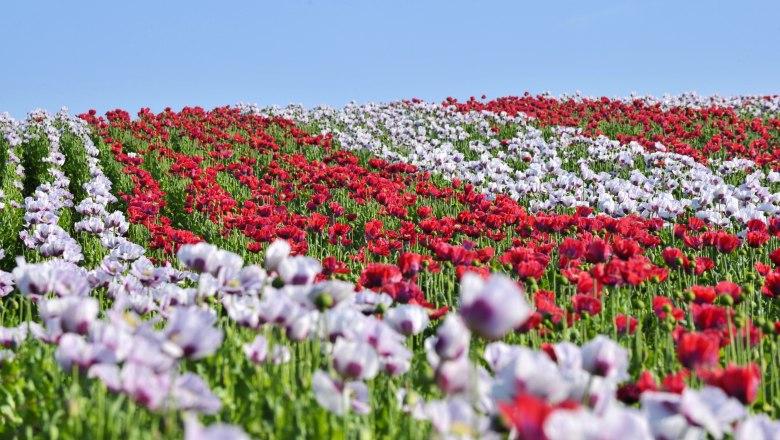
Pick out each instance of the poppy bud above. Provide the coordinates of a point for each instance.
(726, 300)
(323, 301)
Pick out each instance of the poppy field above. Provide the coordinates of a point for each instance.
(527, 267)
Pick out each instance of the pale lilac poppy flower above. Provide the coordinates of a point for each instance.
(396, 364)
(411, 403)
(604, 357)
(192, 329)
(568, 356)
(193, 430)
(329, 293)
(33, 279)
(6, 283)
(196, 256)
(224, 261)
(257, 351)
(758, 427)
(170, 295)
(615, 424)
(204, 257)
(281, 354)
(277, 308)
(149, 352)
(90, 225)
(145, 386)
(454, 376)
(494, 308)
(368, 301)
(76, 314)
(355, 360)
(125, 250)
(531, 372)
(44, 334)
(407, 319)
(147, 273)
(452, 338)
(299, 271)
(141, 303)
(276, 253)
(711, 409)
(13, 337)
(73, 350)
(345, 322)
(455, 418)
(338, 396)
(116, 220)
(6, 356)
(208, 285)
(498, 355)
(301, 324)
(125, 285)
(69, 279)
(108, 374)
(114, 337)
(191, 393)
(250, 280)
(99, 278)
(380, 335)
(597, 392)
(243, 309)
(662, 411)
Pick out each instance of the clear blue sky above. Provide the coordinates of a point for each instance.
(106, 55)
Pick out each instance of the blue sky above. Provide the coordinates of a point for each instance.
(107, 55)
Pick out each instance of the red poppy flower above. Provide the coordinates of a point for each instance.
(530, 269)
(332, 266)
(697, 350)
(630, 393)
(675, 383)
(586, 304)
(598, 251)
(626, 324)
(379, 275)
(571, 249)
(626, 248)
(756, 239)
(703, 264)
(774, 257)
(663, 307)
(771, 285)
(703, 294)
(410, 264)
(373, 229)
(726, 243)
(731, 289)
(674, 258)
(526, 414)
(740, 382)
(405, 292)
(482, 271)
(708, 316)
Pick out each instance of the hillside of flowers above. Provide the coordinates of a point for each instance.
(526, 267)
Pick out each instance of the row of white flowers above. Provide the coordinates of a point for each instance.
(9, 130)
(752, 104)
(43, 209)
(547, 171)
